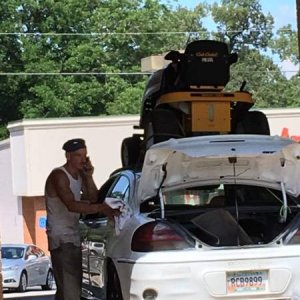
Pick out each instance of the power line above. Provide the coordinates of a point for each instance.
(104, 73)
(72, 73)
(96, 33)
(129, 33)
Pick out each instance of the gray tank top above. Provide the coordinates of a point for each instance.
(63, 225)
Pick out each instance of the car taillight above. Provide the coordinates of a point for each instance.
(158, 236)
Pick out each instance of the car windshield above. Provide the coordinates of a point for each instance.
(12, 252)
(226, 195)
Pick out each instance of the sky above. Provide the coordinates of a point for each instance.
(283, 12)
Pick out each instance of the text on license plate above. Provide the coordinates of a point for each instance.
(247, 281)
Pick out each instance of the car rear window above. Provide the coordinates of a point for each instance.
(226, 195)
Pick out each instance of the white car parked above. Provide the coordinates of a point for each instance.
(211, 217)
(25, 265)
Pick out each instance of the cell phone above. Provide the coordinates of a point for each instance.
(86, 166)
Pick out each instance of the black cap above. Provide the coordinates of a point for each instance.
(73, 145)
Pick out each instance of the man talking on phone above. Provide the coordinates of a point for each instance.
(69, 191)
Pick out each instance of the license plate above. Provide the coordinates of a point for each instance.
(239, 282)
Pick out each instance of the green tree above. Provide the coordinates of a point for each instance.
(286, 44)
(248, 31)
(10, 60)
(242, 22)
(128, 100)
(124, 32)
(108, 38)
(75, 36)
(263, 79)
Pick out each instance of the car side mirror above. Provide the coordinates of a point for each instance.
(31, 257)
(114, 202)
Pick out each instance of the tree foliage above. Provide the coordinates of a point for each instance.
(101, 42)
(242, 22)
(286, 44)
(248, 31)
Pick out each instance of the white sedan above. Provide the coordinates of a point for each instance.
(213, 217)
(25, 265)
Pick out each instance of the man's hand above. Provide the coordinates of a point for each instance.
(88, 168)
(108, 211)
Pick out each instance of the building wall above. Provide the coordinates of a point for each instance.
(36, 147)
(284, 122)
(11, 216)
(34, 217)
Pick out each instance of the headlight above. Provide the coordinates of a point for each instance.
(10, 268)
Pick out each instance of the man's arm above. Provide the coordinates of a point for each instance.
(58, 185)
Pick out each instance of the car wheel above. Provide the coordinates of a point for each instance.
(130, 151)
(23, 283)
(254, 122)
(113, 290)
(49, 281)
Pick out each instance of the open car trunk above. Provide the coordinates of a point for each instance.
(232, 215)
(225, 190)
